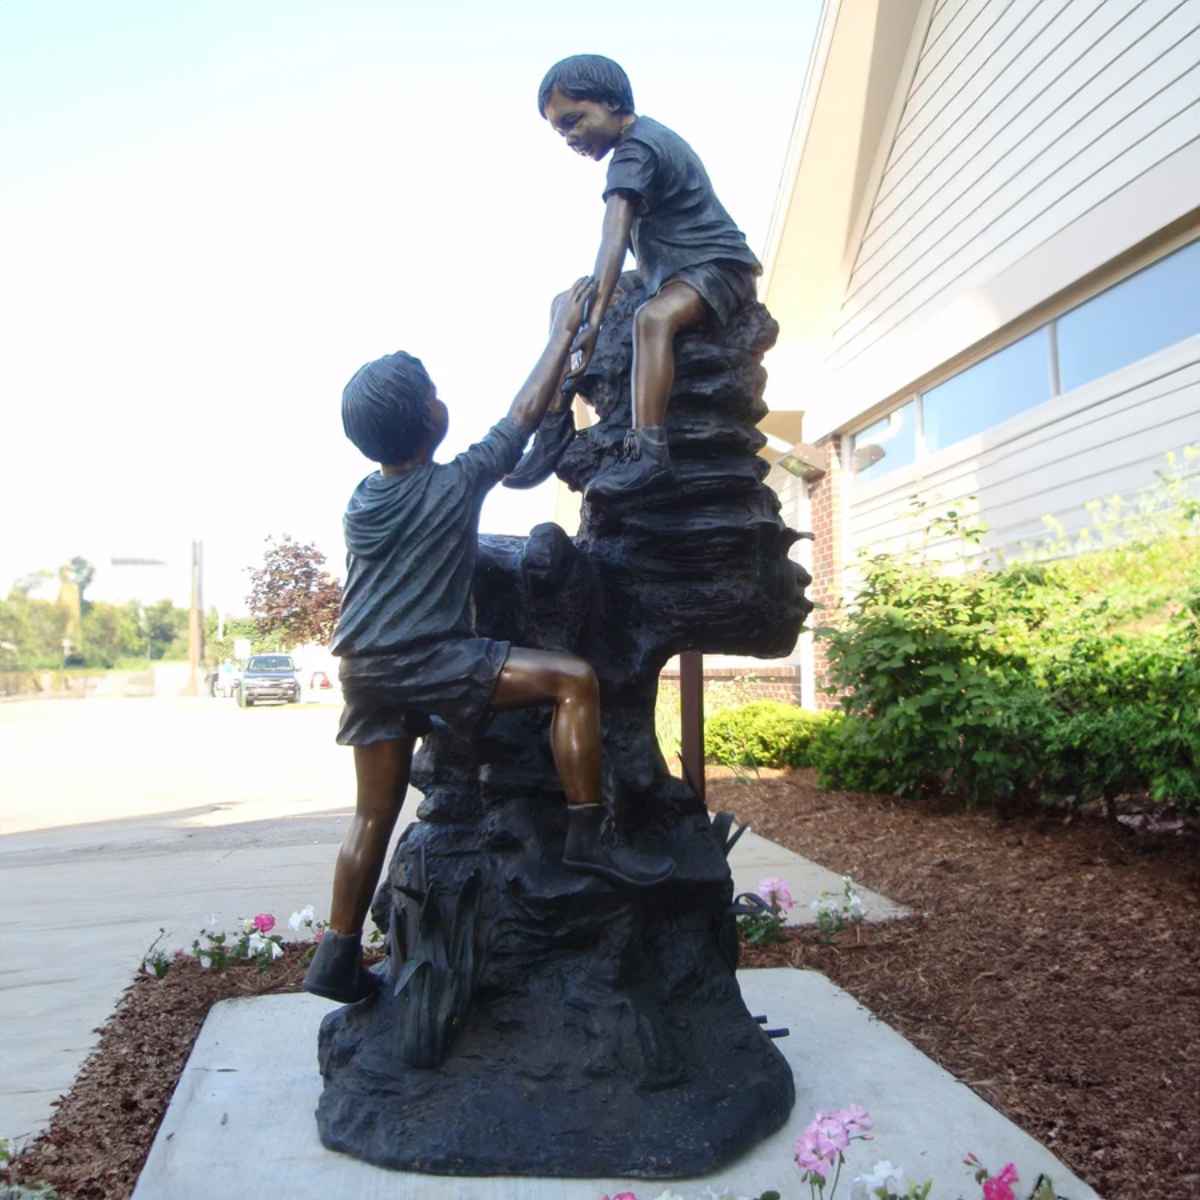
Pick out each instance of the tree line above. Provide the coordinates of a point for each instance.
(292, 601)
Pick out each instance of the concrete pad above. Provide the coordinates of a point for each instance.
(242, 1121)
(754, 859)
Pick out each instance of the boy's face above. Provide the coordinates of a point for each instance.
(591, 129)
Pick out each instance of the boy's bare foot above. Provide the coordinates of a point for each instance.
(645, 465)
(552, 438)
(591, 850)
(337, 972)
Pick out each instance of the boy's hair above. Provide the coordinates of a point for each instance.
(588, 77)
(385, 408)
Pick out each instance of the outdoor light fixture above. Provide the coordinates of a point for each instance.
(804, 460)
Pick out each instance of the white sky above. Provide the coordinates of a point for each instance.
(213, 211)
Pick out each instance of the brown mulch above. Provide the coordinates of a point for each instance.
(1056, 969)
(1053, 964)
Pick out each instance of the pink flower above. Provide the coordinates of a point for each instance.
(807, 1159)
(998, 1187)
(623, 1196)
(264, 922)
(830, 1134)
(776, 893)
(181, 954)
(318, 935)
(822, 1142)
(857, 1120)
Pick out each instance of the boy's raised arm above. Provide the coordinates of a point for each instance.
(534, 397)
(619, 211)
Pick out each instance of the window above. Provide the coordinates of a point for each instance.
(1150, 311)
(1137, 317)
(887, 445)
(991, 391)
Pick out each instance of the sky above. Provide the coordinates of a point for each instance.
(212, 212)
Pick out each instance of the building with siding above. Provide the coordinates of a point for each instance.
(985, 263)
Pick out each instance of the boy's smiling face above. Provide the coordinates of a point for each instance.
(590, 128)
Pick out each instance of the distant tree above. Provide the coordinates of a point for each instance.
(82, 572)
(235, 628)
(112, 632)
(291, 596)
(34, 628)
(166, 630)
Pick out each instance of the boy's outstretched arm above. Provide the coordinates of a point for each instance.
(534, 397)
(619, 212)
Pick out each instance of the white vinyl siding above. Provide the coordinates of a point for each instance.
(1021, 117)
(1107, 438)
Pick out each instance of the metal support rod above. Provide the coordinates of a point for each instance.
(691, 711)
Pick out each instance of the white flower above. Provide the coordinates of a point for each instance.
(205, 961)
(276, 950)
(255, 943)
(824, 905)
(669, 1195)
(304, 917)
(883, 1175)
(148, 967)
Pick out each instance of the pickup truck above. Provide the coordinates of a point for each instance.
(268, 677)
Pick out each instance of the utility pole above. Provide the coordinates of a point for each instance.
(195, 635)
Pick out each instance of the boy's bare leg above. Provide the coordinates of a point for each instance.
(532, 677)
(656, 323)
(647, 460)
(382, 771)
(535, 676)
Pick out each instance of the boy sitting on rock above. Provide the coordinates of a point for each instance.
(407, 642)
(692, 258)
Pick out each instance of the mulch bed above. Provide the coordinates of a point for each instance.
(1054, 966)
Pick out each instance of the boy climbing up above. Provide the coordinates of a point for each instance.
(407, 642)
(692, 258)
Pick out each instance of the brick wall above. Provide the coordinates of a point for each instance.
(826, 496)
(767, 683)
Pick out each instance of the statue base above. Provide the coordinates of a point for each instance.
(610, 1041)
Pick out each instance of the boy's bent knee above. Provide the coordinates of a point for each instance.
(652, 320)
(579, 681)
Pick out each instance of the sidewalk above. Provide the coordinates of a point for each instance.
(81, 906)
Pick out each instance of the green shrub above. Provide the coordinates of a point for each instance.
(922, 664)
(1080, 678)
(846, 755)
(764, 733)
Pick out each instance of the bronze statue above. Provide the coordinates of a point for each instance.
(407, 643)
(536, 1014)
(692, 259)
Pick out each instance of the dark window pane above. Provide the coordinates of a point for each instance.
(887, 445)
(1007, 383)
(1149, 311)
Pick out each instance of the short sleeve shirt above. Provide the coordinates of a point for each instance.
(681, 223)
(411, 543)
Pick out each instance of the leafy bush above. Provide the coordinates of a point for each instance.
(764, 733)
(1080, 678)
